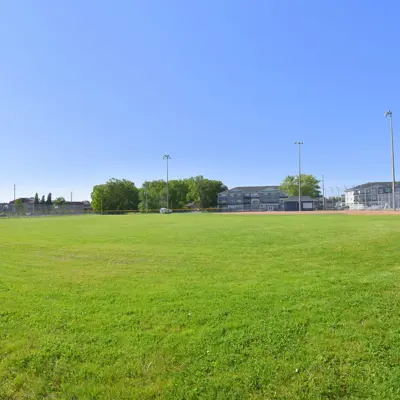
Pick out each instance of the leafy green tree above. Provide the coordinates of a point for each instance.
(156, 194)
(49, 201)
(204, 192)
(43, 201)
(36, 201)
(178, 190)
(198, 190)
(115, 195)
(309, 185)
(59, 201)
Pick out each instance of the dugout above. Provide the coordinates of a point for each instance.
(307, 203)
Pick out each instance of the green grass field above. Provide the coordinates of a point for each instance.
(200, 306)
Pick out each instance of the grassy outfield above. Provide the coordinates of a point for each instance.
(200, 306)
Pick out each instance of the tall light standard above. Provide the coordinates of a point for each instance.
(167, 157)
(333, 195)
(338, 193)
(299, 144)
(389, 114)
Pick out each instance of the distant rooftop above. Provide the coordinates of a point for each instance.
(370, 184)
(252, 189)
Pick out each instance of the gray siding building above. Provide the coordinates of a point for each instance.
(252, 198)
(372, 195)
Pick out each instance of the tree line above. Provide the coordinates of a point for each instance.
(193, 192)
(48, 201)
(122, 194)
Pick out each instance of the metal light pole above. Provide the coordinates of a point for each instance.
(145, 196)
(299, 144)
(389, 114)
(323, 193)
(333, 195)
(167, 157)
(338, 193)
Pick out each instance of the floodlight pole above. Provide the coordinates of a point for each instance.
(389, 114)
(167, 157)
(333, 195)
(299, 144)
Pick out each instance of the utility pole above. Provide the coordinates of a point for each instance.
(167, 157)
(333, 195)
(389, 114)
(71, 204)
(323, 193)
(299, 144)
(14, 198)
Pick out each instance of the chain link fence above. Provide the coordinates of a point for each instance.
(36, 210)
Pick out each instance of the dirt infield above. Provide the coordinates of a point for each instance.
(346, 212)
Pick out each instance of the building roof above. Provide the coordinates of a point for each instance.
(371, 184)
(251, 189)
(254, 188)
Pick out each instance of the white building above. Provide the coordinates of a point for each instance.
(372, 195)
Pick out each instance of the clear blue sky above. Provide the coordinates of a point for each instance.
(96, 89)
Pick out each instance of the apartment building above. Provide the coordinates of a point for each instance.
(252, 198)
(374, 195)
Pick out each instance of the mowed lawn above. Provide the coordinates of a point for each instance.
(200, 307)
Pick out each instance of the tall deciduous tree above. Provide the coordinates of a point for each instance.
(155, 192)
(59, 201)
(204, 192)
(309, 185)
(178, 190)
(115, 194)
(198, 190)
